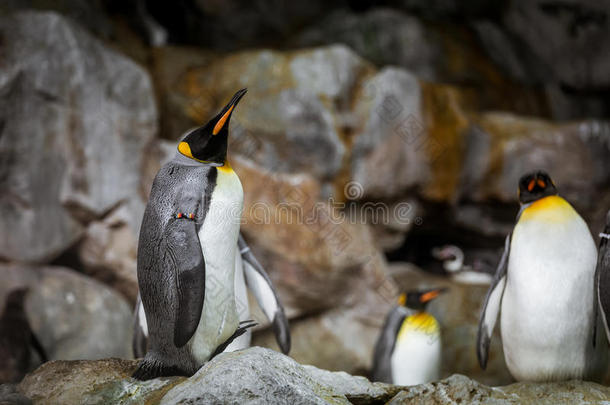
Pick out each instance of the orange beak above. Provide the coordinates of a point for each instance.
(430, 295)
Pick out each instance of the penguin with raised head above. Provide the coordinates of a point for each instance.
(602, 277)
(248, 272)
(408, 350)
(186, 253)
(544, 288)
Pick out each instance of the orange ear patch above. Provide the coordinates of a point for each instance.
(541, 183)
(221, 121)
(531, 184)
(402, 299)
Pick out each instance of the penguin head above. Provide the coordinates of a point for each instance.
(534, 186)
(419, 299)
(208, 144)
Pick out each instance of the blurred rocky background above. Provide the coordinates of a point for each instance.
(409, 121)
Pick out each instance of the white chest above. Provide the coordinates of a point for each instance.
(416, 359)
(218, 236)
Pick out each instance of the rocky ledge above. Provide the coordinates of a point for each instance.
(263, 376)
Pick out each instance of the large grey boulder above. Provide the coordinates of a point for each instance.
(73, 316)
(75, 119)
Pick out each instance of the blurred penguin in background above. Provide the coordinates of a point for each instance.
(408, 350)
(544, 285)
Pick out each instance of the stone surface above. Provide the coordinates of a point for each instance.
(381, 35)
(315, 255)
(296, 115)
(108, 253)
(576, 155)
(262, 376)
(389, 154)
(95, 112)
(92, 382)
(341, 339)
(73, 316)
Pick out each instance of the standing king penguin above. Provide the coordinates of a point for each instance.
(544, 285)
(602, 276)
(187, 251)
(408, 350)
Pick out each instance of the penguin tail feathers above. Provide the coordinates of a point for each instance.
(241, 329)
(281, 331)
(152, 368)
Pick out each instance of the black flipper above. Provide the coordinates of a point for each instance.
(260, 284)
(384, 347)
(602, 281)
(241, 329)
(189, 270)
(281, 331)
(491, 308)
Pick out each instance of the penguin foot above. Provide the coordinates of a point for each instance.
(241, 329)
(150, 368)
(185, 216)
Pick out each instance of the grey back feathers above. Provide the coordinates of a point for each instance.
(382, 358)
(174, 290)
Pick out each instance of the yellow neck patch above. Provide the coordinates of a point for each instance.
(420, 322)
(549, 209)
(226, 168)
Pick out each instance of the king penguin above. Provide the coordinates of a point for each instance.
(602, 277)
(544, 287)
(408, 350)
(186, 253)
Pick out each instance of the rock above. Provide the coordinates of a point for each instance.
(570, 39)
(73, 316)
(10, 396)
(576, 155)
(262, 376)
(348, 334)
(315, 256)
(295, 120)
(560, 45)
(92, 382)
(168, 67)
(461, 389)
(108, 253)
(381, 35)
(94, 113)
(389, 152)
(236, 24)
(458, 314)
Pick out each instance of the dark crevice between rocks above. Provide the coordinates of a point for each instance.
(448, 227)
